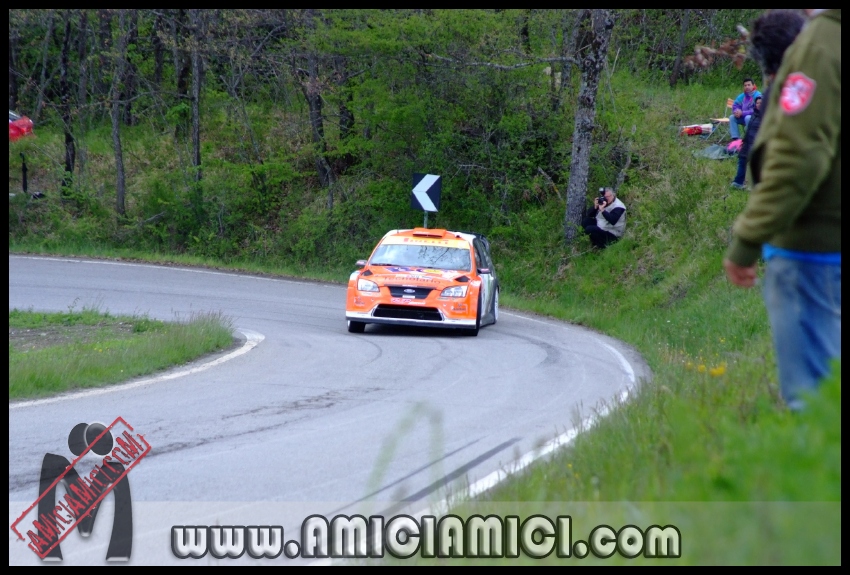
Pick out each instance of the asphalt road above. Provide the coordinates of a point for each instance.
(313, 419)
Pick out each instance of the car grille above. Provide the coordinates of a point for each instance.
(416, 292)
(406, 312)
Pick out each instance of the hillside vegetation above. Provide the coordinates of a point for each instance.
(445, 93)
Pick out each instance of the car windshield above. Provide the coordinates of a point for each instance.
(435, 257)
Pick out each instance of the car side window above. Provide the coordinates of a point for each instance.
(480, 260)
(485, 251)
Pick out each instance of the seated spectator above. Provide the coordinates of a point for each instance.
(742, 108)
(772, 33)
(749, 138)
(606, 220)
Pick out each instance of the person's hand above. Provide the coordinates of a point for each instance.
(738, 113)
(739, 275)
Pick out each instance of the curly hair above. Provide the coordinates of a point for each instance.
(771, 35)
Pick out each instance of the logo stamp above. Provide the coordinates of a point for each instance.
(121, 449)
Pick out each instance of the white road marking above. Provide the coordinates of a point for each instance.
(627, 367)
(253, 339)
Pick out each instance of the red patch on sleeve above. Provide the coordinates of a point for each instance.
(797, 92)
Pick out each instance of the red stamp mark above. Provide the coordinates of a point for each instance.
(121, 450)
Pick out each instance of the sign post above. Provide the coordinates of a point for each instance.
(426, 193)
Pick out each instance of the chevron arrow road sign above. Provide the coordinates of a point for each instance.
(426, 192)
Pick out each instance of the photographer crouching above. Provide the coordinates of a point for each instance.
(606, 220)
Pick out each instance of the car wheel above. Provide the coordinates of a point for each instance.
(474, 331)
(356, 326)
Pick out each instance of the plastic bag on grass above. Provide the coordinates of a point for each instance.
(714, 152)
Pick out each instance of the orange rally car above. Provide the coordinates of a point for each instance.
(425, 277)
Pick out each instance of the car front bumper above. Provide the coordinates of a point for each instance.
(367, 317)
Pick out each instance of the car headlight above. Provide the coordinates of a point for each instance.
(366, 285)
(454, 291)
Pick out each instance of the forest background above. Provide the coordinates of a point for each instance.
(285, 141)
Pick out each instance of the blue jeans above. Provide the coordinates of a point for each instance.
(741, 174)
(735, 122)
(803, 301)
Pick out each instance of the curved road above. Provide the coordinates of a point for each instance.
(313, 419)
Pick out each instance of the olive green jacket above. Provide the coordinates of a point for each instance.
(796, 159)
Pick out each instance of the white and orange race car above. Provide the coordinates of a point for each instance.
(425, 277)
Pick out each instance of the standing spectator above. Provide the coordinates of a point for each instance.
(742, 108)
(793, 216)
(772, 33)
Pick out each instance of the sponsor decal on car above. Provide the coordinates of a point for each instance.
(406, 301)
(415, 271)
(428, 241)
(416, 278)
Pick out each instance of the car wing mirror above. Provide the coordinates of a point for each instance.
(360, 263)
(483, 270)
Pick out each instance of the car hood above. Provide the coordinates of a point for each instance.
(404, 275)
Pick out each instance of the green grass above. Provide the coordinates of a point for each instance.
(738, 493)
(90, 349)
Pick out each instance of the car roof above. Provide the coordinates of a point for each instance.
(437, 233)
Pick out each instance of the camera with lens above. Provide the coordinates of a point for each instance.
(601, 198)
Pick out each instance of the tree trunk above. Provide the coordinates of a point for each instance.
(346, 130)
(14, 41)
(181, 58)
(130, 80)
(593, 53)
(65, 102)
(115, 95)
(181, 66)
(104, 36)
(569, 40)
(82, 54)
(197, 71)
(158, 51)
(311, 87)
(524, 37)
(45, 77)
(674, 77)
(346, 116)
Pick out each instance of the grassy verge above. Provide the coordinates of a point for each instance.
(51, 353)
